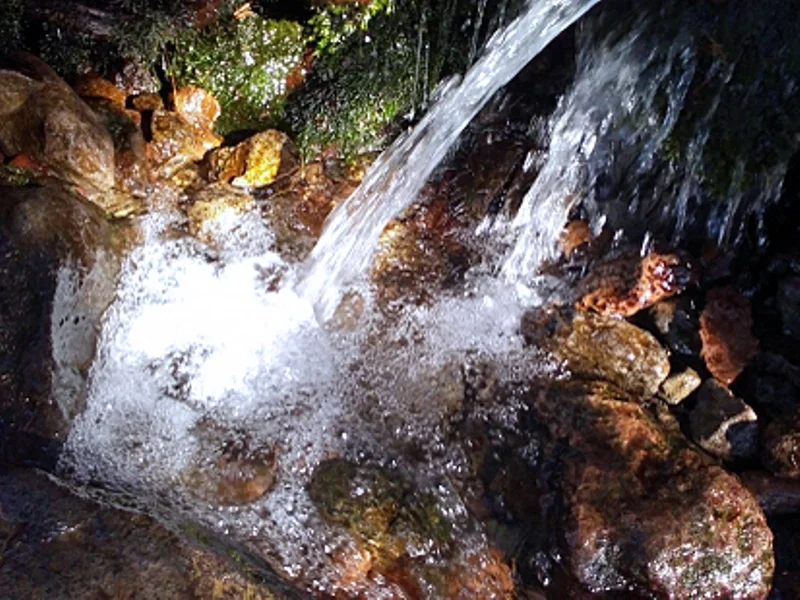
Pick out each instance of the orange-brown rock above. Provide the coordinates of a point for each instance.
(576, 233)
(197, 106)
(94, 86)
(726, 332)
(176, 142)
(628, 284)
(256, 162)
(149, 101)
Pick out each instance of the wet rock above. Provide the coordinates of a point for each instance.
(58, 271)
(575, 234)
(726, 332)
(789, 305)
(197, 106)
(95, 87)
(676, 388)
(643, 512)
(628, 284)
(147, 102)
(677, 322)
(132, 173)
(55, 545)
(255, 162)
(239, 475)
(394, 525)
(212, 206)
(780, 451)
(176, 142)
(599, 347)
(723, 424)
(43, 118)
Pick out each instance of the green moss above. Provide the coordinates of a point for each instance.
(15, 176)
(245, 64)
(11, 16)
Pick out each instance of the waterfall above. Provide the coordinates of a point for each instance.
(343, 253)
(609, 122)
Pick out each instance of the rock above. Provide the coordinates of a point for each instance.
(643, 512)
(95, 87)
(774, 385)
(789, 305)
(46, 120)
(239, 475)
(390, 521)
(132, 173)
(197, 106)
(176, 142)
(723, 424)
(58, 269)
(677, 322)
(780, 450)
(726, 332)
(576, 233)
(147, 102)
(676, 388)
(255, 162)
(628, 284)
(56, 545)
(212, 205)
(594, 346)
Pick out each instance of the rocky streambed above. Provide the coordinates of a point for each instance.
(633, 433)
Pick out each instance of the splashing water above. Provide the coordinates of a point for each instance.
(343, 253)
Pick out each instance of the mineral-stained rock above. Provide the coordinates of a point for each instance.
(211, 205)
(628, 284)
(781, 446)
(725, 329)
(42, 117)
(93, 86)
(55, 545)
(676, 388)
(255, 162)
(576, 233)
(197, 106)
(177, 142)
(147, 102)
(598, 347)
(723, 424)
(644, 512)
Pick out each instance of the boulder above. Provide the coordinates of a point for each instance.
(642, 511)
(255, 162)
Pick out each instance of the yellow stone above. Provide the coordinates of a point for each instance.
(256, 162)
(212, 204)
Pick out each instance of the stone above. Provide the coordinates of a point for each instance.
(644, 513)
(44, 119)
(780, 448)
(176, 142)
(676, 388)
(147, 102)
(726, 332)
(723, 424)
(789, 305)
(628, 284)
(594, 346)
(677, 322)
(776, 495)
(255, 162)
(576, 234)
(58, 270)
(212, 205)
(56, 545)
(197, 106)
(95, 87)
